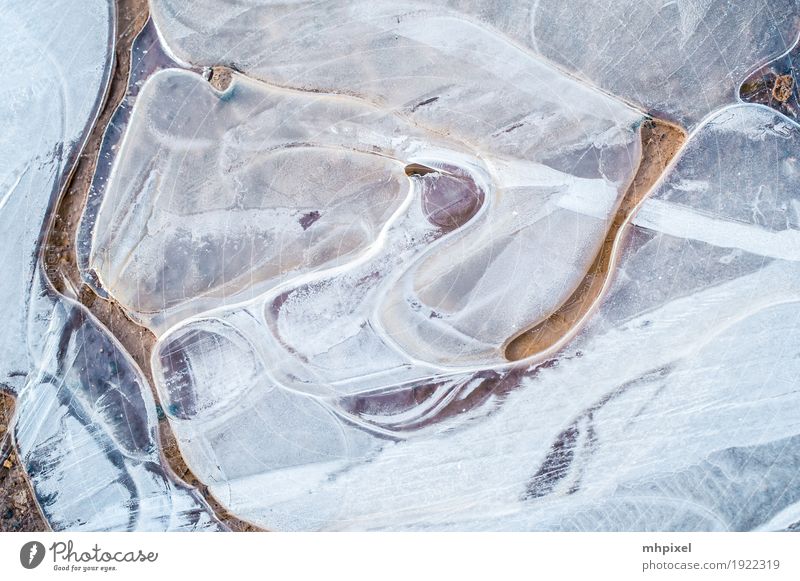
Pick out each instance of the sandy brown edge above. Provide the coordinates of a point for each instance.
(661, 141)
(60, 256)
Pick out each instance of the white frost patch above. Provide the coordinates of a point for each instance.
(684, 222)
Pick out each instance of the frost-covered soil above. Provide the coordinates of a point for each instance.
(340, 252)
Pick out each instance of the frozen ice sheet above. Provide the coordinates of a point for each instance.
(321, 376)
(215, 198)
(44, 118)
(87, 430)
(681, 58)
(675, 408)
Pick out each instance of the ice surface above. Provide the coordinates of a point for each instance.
(44, 119)
(215, 197)
(85, 423)
(675, 408)
(335, 251)
(681, 58)
(86, 430)
(238, 189)
(335, 255)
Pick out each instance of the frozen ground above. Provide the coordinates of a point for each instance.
(335, 250)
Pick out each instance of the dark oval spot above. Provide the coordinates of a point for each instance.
(450, 196)
(307, 219)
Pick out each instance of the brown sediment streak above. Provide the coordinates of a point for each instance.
(660, 142)
(60, 258)
(60, 251)
(417, 169)
(18, 508)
